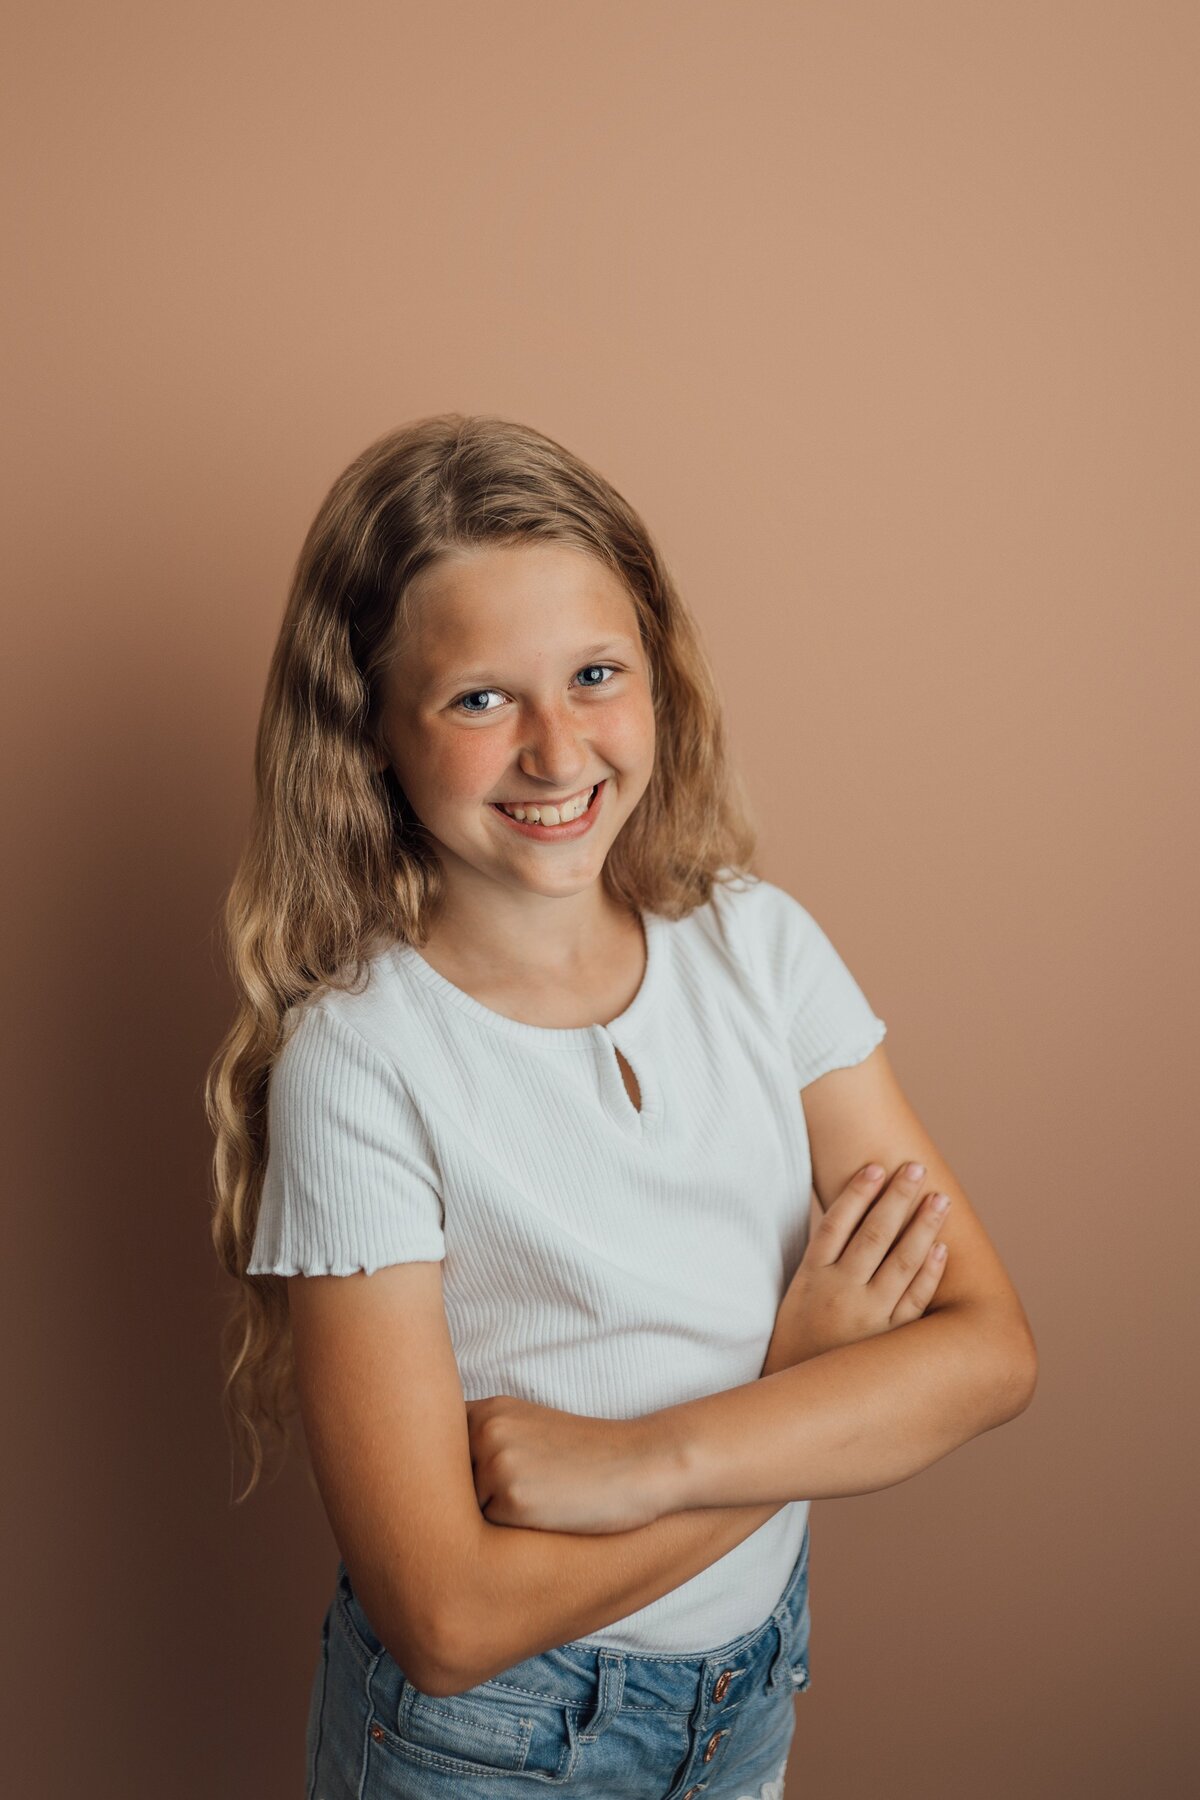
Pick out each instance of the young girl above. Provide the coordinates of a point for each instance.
(518, 1124)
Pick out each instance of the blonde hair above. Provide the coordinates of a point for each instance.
(335, 858)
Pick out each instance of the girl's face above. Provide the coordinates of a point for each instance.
(522, 681)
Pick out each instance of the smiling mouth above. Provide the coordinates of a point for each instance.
(532, 799)
(540, 806)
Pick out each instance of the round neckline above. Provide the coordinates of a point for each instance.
(411, 959)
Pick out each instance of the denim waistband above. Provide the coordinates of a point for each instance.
(599, 1680)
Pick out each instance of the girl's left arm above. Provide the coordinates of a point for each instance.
(859, 1417)
(869, 1414)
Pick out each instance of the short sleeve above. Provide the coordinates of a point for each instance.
(823, 1012)
(350, 1182)
(833, 1025)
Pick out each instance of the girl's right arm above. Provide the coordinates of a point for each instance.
(454, 1598)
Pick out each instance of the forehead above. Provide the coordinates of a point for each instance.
(482, 604)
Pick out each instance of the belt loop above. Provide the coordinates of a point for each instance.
(608, 1697)
(780, 1672)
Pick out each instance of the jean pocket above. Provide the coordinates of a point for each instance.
(487, 1731)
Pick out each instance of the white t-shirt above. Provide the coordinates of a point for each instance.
(598, 1259)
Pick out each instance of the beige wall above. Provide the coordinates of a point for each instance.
(884, 316)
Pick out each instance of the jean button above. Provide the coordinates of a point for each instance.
(722, 1686)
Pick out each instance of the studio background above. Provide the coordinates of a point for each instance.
(883, 315)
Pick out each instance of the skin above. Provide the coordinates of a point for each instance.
(558, 698)
(873, 1262)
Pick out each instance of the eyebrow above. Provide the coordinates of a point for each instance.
(465, 677)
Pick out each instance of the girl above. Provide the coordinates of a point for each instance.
(517, 1126)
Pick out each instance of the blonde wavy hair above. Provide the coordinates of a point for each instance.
(335, 858)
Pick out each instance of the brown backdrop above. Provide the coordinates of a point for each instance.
(884, 315)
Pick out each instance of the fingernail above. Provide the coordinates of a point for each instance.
(915, 1171)
(872, 1172)
(940, 1202)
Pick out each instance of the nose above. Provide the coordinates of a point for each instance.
(552, 751)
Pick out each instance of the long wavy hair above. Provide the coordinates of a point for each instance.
(336, 861)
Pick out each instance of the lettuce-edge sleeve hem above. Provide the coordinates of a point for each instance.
(343, 1268)
(846, 1056)
(351, 1180)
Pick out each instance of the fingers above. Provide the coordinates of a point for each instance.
(836, 1227)
(922, 1287)
(875, 1229)
(911, 1259)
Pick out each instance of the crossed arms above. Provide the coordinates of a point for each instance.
(465, 1579)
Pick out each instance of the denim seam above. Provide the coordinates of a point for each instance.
(364, 1655)
(320, 1731)
(549, 1698)
(460, 1765)
(516, 1737)
(610, 1691)
(369, 1668)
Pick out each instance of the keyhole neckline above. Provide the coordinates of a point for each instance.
(405, 956)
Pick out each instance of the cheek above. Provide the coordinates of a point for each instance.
(629, 732)
(464, 765)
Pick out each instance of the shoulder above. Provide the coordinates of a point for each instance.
(341, 1053)
(359, 1019)
(795, 965)
(758, 932)
(762, 921)
(351, 1178)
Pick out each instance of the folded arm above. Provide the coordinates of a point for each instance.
(454, 1598)
(529, 1590)
(853, 1414)
(861, 1417)
(865, 1415)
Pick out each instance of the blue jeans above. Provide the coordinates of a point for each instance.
(594, 1722)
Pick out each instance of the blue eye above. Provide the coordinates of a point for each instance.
(455, 704)
(480, 712)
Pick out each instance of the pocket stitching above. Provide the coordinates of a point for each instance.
(461, 1765)
(516, 1736)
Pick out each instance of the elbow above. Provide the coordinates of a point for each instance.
(460, 1646)
(465, 1650)
(440, 1681)
(464, 1656)
(432, 1645)
(427, 1667)
(1003, 1365)
(456, 1666)
(1016, 1381)
(429, 1662)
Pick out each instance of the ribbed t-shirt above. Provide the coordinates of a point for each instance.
(597, 1258)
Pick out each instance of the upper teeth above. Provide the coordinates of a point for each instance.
(550, 815)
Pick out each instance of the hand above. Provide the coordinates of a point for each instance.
(857, 1278)
(548, 1470)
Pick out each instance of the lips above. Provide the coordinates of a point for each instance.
(574, 828)
(565, 801)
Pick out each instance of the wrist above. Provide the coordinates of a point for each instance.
(785, 1354)
(666, 1459)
